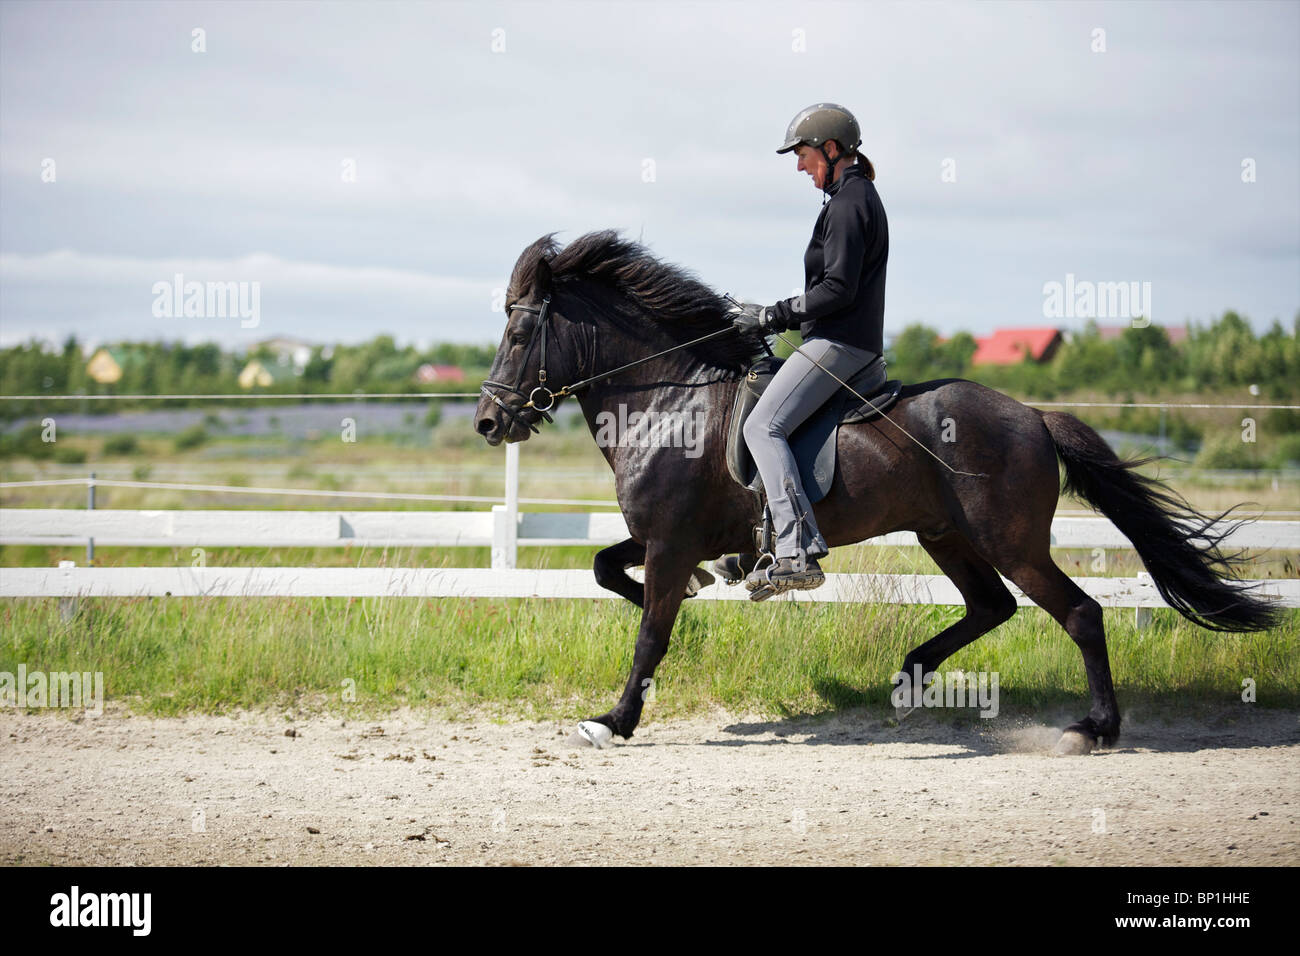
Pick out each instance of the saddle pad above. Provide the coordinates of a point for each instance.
(813, 443)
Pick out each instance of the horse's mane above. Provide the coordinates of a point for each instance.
(650, 291)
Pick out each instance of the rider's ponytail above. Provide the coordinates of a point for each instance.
(868, 169)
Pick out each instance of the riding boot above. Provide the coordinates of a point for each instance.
(794, 525)
(799, 573)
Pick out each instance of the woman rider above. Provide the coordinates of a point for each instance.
(841, 319)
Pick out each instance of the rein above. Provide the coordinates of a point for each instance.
(549, 397)
(880, 412)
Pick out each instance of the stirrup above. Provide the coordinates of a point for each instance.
(761, 588)
(754, 579)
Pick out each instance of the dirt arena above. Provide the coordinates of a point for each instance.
(117, 789)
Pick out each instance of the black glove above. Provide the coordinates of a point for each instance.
(754, 318)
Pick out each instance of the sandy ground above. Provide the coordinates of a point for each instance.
(120, 789)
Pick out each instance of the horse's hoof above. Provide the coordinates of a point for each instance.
(732, 568)
(700, 579)
(1075, 744)
(591, 734)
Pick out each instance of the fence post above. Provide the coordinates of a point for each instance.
(505, 518)
(67, 605)
(90, 506)
(1142, 615)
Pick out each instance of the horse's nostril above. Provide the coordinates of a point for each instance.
(485, 425)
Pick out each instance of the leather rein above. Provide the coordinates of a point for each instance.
(549, 398)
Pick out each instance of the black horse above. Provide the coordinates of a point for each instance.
(602, 301)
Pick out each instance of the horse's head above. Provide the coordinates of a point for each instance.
(534, 360)
(643, 307)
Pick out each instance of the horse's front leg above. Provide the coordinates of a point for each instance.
(666, 574)
(612, 563)
(611, 566)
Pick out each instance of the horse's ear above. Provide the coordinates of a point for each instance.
(544, 280)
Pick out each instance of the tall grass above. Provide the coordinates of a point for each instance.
(569, 658)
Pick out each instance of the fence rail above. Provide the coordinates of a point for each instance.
(69, 581)
(445, 529)
(504, 529)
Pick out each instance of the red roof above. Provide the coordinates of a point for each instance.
(1008, 346)
(439, 373)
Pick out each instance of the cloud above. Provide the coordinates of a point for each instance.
(477, 127)
(314, 300)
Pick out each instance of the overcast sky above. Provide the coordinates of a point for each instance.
(1103, 141)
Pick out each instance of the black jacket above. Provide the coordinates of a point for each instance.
(844, 268)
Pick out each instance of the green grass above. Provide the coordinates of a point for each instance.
(560, 658)
(855, 559)
(544, 659)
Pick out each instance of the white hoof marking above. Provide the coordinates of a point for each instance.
(598, 735)
(1074, 744)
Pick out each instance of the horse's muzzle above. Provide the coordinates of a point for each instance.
(507, 422)
(487, 427)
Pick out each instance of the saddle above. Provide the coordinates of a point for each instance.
(813, 442)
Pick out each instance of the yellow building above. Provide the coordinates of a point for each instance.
(107, 365)
(264, 374)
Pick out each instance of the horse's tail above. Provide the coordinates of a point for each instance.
(1178, 544)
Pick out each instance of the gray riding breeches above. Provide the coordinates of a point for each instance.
(797, 390)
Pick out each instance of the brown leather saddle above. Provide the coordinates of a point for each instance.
(813, 442)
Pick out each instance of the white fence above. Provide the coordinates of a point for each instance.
(206, 529)
(504, 529)
(71, 581)
(444, 529)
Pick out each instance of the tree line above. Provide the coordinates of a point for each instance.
(1221, 356)
(172, 368)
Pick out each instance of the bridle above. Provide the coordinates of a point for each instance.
(543, 319)
(548, 396)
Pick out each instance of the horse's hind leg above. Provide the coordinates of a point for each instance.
(988, 602)
(1051, 589)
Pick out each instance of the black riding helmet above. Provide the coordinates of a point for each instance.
(817, 125)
